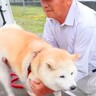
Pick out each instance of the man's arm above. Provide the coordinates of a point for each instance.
(83, 45)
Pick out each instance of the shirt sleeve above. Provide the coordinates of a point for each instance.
(48, 33)
(83, 44)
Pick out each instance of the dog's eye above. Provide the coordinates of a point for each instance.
(71, 73)
(62, 76)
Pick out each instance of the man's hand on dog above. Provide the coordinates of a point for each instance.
(37, 88)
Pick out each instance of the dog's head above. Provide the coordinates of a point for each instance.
(56, 69)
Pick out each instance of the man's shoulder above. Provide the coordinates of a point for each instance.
(85, 15)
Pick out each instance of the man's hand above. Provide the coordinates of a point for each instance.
(37, 88)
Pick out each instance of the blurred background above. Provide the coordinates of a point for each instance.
(29, 14)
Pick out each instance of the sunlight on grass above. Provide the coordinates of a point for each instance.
(31, 18)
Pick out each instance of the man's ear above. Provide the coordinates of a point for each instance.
(75, 57)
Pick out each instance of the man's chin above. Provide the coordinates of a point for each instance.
(49, 15)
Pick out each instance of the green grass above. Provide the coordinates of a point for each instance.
(31, 18)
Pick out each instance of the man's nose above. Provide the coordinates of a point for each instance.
(45, 4)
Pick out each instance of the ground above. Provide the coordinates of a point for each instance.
(17, 91)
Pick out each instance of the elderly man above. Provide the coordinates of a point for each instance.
(71, 25)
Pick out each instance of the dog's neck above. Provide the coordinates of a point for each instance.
(26, 64)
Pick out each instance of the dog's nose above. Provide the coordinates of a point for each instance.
(72, 87)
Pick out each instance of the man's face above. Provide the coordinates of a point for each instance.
(54, 8)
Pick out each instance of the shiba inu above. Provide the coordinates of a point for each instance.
(20, 49)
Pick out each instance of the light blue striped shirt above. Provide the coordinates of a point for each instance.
(76, 35)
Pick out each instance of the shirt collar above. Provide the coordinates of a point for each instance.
(71, 15)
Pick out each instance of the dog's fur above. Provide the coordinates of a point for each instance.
(21, 49)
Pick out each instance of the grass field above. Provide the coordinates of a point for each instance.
(31, 18)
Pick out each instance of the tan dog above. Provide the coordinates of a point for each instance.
(21, 49)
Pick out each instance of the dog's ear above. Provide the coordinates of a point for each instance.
(75, 57)
(51, 65)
